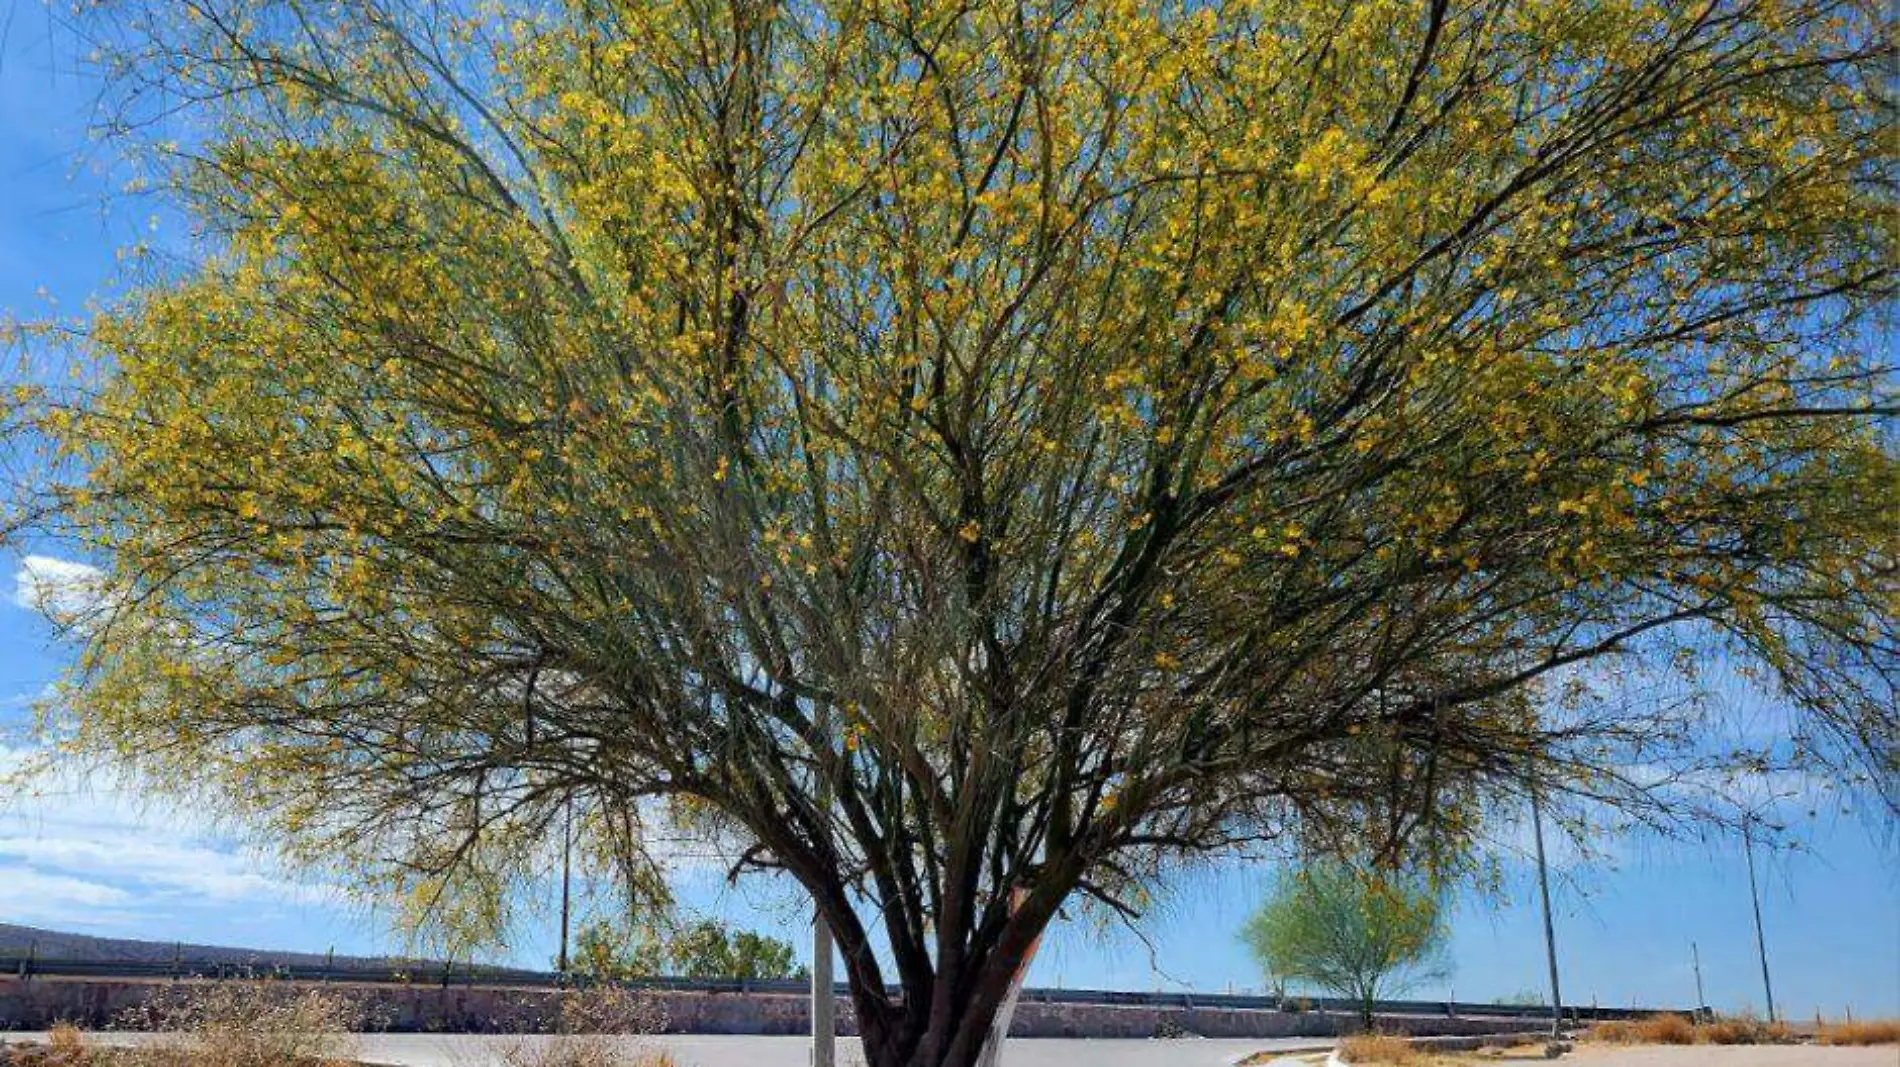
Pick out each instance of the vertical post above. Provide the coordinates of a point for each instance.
(1695, 959)
(1550, 930)
(824, 1024)
(567, 868)
(1754, 895)
(824, 1001)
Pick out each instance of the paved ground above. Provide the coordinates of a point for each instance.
(467, 1050)
(695, 1050)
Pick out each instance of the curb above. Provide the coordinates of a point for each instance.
(1329, 1048)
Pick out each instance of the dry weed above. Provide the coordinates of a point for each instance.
(1671, 1029)
(1666, 1029)
(1744, 1030)
(593, 1030)
(65, 1047)
(246, 1024)
(1868, 1032)
(1385, 1050)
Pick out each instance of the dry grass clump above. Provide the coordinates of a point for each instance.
(1869, 1032)
(1386, 1050)
(1745, 1030)
(593, 1030)
(584, 1050)
(65, 1047)
(1664, 1029)
(245, 1024)
(1671, 1029)
(609, 1009)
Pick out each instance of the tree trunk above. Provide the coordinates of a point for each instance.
(893, 1037)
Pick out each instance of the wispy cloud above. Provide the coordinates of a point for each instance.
(41, 898)
(61, 588)
(92, 852)
(161, 864)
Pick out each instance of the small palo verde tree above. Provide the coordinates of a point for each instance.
(1355, 933)
(971, 456)
(707, 948)
(609, 951)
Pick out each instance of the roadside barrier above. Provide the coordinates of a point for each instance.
(429, 973)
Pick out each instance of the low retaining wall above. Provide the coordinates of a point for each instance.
(38, 1003)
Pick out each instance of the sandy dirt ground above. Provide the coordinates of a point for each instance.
(1731, 1056)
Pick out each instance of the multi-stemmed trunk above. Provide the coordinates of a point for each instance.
(944, 1039)
(947, 1008)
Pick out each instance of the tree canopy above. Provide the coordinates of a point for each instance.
(952, 447)
(1351, 932)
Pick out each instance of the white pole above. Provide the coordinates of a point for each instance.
(824, 1024)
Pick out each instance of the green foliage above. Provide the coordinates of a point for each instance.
(704, 949)
(611, 951)
(1360, 935)
(709, 949)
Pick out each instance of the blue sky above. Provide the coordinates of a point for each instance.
(86, 857)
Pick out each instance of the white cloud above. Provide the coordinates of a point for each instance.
(61, 588)
(72, 850)
(37, 897)
(159, 863)
(24, 885)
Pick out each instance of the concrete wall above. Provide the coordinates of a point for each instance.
(37, 1003)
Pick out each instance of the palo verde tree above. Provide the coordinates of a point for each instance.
(1353, 932)
(976, 454)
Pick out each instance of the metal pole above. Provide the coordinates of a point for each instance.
(1754, 895)
(1550, 930)
(567, 868)
(824, 1026)
(1695, 957)
(824, 1004)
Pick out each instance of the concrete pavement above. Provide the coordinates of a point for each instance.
(722, 1050)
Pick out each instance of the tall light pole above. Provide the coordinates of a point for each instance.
(1754, 895)
(567, 870)
(1695, 959)
(1550, 930)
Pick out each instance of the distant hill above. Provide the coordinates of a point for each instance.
(57, 944)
